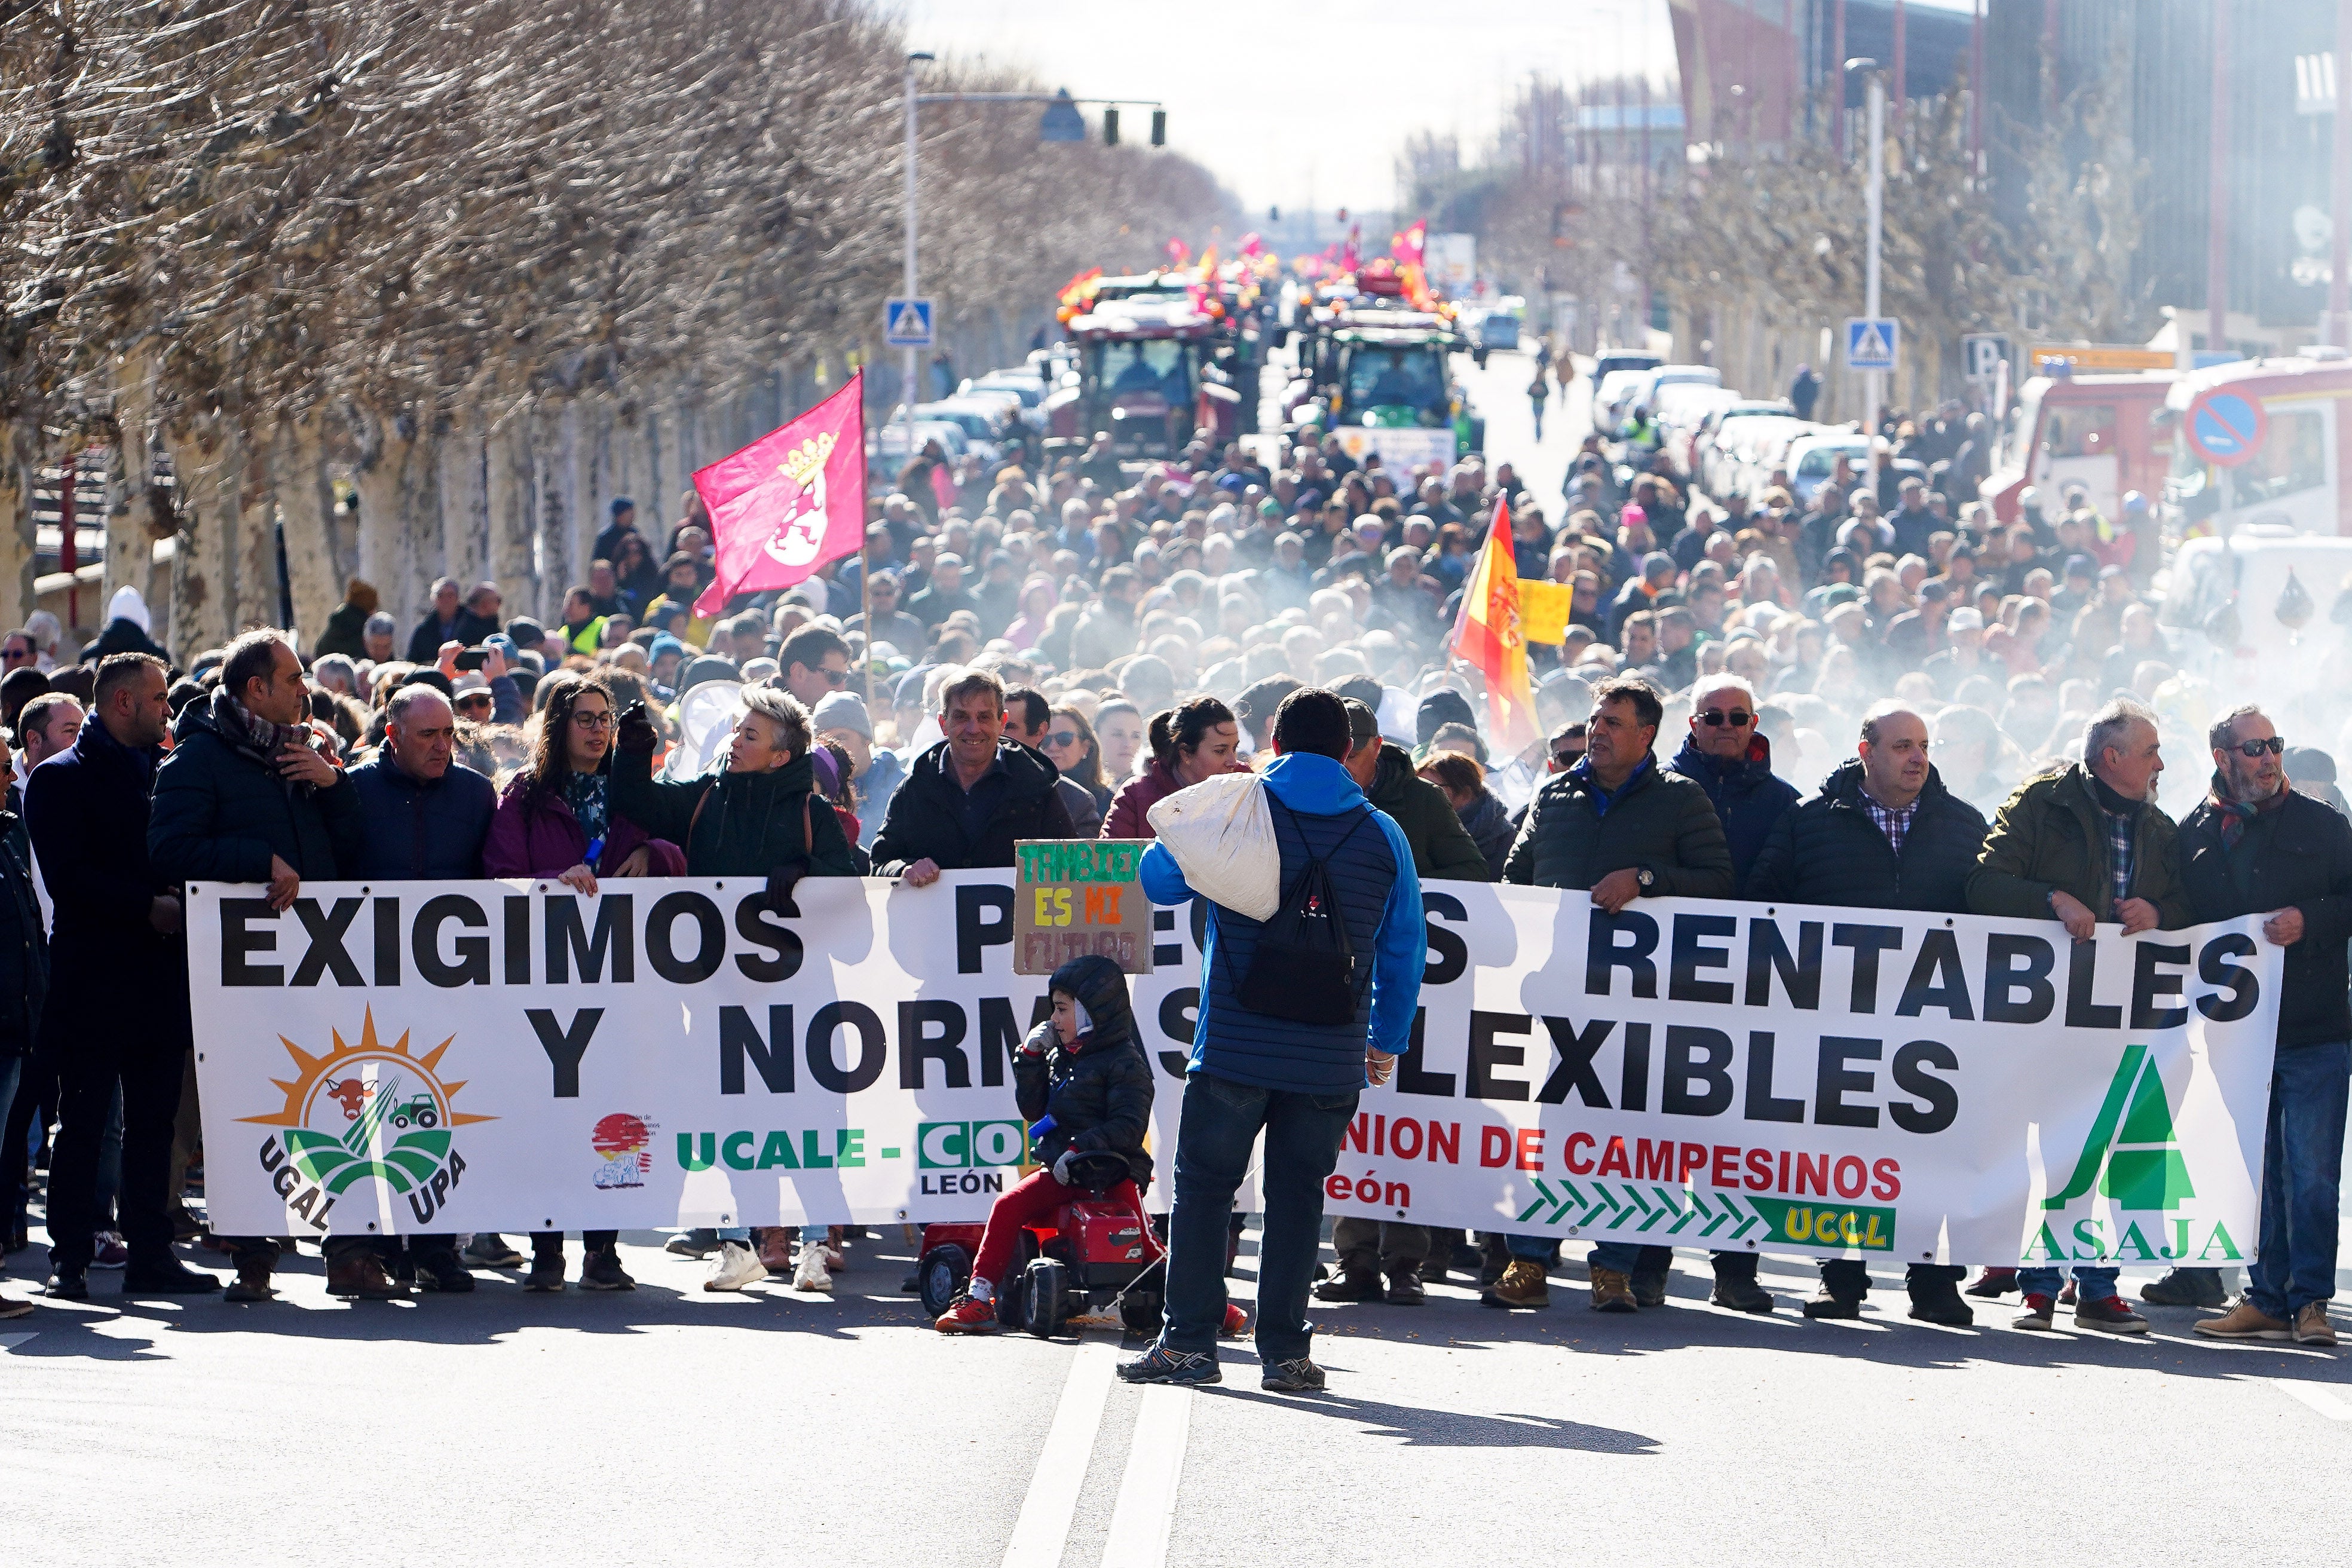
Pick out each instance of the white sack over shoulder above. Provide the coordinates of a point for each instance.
(1223, 837)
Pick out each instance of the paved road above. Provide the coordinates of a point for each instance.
(666, 1425)
(1500, 392)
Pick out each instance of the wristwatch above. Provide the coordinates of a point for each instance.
(1645, 877)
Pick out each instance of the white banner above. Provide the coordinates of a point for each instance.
(1402, 450)
(488, 1056)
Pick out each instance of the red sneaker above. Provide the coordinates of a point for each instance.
(2036, 1315)
(968, 1317)
(1237, 1321)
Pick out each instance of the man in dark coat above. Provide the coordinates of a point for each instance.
(1726, 756)
(425, 817)
(251, 793)
(2256, 847)
(1883, 834)
(1619, 826)
(24, 986)
(2085, 844)
(970, 797)
(118, 925)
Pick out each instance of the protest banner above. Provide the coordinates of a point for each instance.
(488, 1055)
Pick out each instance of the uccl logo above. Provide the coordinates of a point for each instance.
(364, 1110)
(2132, 1158)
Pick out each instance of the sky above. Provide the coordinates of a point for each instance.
(1309, 110)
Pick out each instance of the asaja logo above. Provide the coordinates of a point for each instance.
(626, 1142)
(2132, 1159)
(364, 1110)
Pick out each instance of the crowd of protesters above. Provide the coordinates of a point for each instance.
(1877, 697)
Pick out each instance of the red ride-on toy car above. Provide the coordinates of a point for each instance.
(1098, 1251)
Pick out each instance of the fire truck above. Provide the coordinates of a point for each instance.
(1150, 376)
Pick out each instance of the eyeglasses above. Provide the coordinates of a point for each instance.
(2274, 745)
(476, 699)
(588, 721)
(1716, 718)
(1061, 737)
(835, 678)
(1566, 759)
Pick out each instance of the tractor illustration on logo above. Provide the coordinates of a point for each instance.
(419, 1112)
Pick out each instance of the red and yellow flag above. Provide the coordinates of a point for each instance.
(1487, 639)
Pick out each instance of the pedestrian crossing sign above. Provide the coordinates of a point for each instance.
(1872, 343)
(906, 324)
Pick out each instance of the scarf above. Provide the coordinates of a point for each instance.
(2237, 816)
(237, 723)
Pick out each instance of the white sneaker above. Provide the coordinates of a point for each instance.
(810, 1273)
(738, 1266)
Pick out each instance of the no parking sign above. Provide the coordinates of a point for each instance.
(2226, 427)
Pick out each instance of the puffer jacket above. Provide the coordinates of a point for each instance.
(1098, 1088)
(1659, 821)
(1490, 827)
(1748, 795)
(2051, 835)
(926, 823)
(736, 824)
(222, 809)
(1829, 851)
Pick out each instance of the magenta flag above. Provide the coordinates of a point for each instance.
(790, 501)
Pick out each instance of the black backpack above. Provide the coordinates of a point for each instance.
(1305, 966)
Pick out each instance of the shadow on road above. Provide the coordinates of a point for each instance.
(1449, 1429)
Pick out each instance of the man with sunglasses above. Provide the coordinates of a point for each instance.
(2256, 847)
(1883, 834)
(815, 664)
(1727, 756)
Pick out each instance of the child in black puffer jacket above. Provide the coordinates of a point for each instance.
(1085, 1069)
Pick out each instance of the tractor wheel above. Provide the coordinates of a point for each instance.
(1046, 1298)
(428, 1118)
(400, 1118)
(1139, 1313)
(943, 1272)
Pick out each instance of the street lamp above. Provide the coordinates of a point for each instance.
(1872, 387)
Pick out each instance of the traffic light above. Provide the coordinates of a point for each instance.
(1110, 127)
(1159, 128)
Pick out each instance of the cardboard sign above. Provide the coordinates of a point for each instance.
(1072, 897)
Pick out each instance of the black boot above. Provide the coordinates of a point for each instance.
(2187, 1288)
(1735, 1284)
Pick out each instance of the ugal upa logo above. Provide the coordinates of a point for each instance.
(364, 1110)
(2131, 1158)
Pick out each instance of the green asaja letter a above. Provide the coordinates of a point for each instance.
(2138, 1164)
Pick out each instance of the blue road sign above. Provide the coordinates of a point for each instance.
(2226, 427)
(1872, 343)
(906, 324)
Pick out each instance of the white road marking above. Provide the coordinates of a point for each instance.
(2315, 1396)
(1139, 1521)
(10, 1341)
(1044, 1527)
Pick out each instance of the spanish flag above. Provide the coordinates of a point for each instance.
(1487, 639)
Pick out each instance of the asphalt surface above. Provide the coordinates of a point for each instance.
(670, 1425)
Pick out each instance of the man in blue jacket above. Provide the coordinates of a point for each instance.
(1295, 1080)
(1728, 757)
(426, 815)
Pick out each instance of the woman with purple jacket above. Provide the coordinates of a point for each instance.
(556, 821)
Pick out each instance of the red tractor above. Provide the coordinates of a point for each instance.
(1149, 377)
(1096, 1252)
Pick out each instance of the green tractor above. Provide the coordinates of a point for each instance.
(419, 1111)
(1400, 377)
